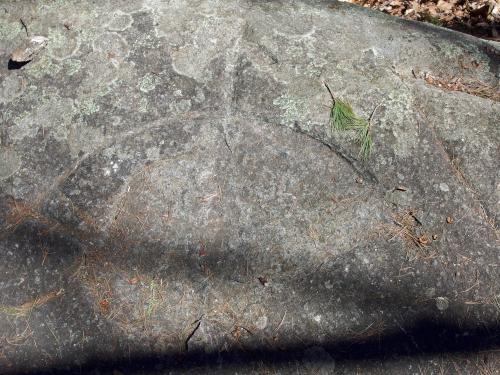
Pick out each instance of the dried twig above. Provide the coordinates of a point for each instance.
(186, 342)
(24, 26)
(280, 324)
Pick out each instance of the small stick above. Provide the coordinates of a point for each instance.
(373, 112)
(24, 26)
(198, 323)
(279, 325)
(329, 91)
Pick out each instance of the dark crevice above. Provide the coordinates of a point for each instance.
(355, 164)
(15, 65)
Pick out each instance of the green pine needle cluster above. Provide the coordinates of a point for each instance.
(342, 117)
(364, 139)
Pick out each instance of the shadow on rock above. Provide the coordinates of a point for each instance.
(408, 329)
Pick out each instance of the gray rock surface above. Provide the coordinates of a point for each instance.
(170, 189)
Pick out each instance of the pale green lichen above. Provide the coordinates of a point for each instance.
(103, 89)
(42, 67)
(200, 96)
(62, 43)
(147, 83)
(72, 66)
(183, 105)
(143, 105)
(9, 31)
(88, 107)
(11, 162)
(153, 153)
(54, 4)
(449, 49)
(24, 127)
(11, 87)
(293, 109)
(53, 113)
(113, 47)
(119, 21)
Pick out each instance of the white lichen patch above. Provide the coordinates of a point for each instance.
(399, 116)
(10, 162)
(206, 40)
(11, 87)
(143, 105)
(24, 127)
(53, 115)
(449, 49)
(122, 153)
(119, 21)
(147, 83)
(261, 322)
(43, 66)
(444, 187)
(316, 65)
(111, 169)
(9, 31)
(180, 106)
(101, 74)
(200, 96)
(153, 153)
(293, 109)
(72, 66)
(88, 106)
(113, 46)
(442, 303)
(83, 138)
(63, 43)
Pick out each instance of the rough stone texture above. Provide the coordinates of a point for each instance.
(166, 168)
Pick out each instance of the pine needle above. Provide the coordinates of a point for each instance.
(27, 307)
(365, 141)
(342, 118)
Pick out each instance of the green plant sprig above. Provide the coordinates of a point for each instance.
(343, 118)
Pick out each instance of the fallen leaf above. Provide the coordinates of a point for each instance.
(104, 306)
(445, 6)
(134, 280)
(423, 240)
